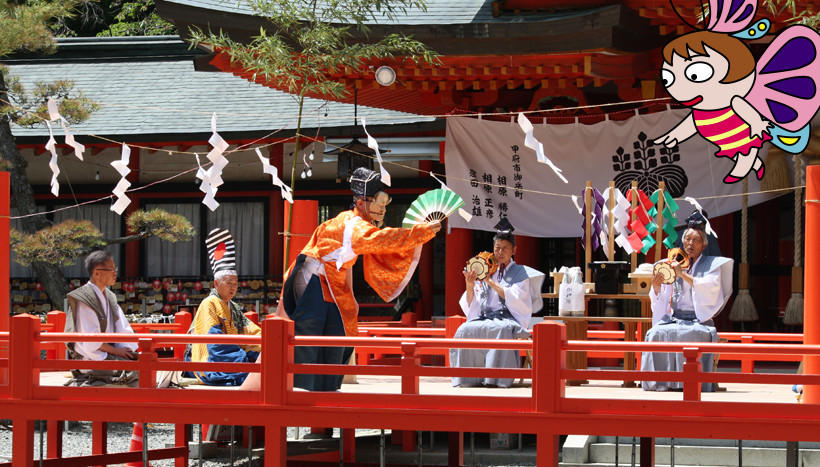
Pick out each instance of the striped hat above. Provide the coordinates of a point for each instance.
(221, 252)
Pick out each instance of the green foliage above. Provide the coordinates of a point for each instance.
(809, 17)
(26, 25)
(156, 222)
(60, 244)
(308, 41)
(137, 18)
(28, 110)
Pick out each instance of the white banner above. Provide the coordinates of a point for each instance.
(489, 166)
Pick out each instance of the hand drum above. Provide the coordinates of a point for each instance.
(483, 264)
(665, 267)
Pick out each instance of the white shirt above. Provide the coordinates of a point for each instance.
(87, 322)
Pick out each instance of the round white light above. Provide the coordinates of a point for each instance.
(385, 75)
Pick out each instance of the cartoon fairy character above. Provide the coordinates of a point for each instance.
(738, 104)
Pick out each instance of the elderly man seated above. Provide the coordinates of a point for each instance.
(93, 308)
(498, 307)
(219, 314)
(683, 311)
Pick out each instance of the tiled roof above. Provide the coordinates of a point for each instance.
(163, 94)
(438, 12)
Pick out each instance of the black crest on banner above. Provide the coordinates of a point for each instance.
(649, 166)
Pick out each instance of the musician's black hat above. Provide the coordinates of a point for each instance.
(504, 231)
(697, 220)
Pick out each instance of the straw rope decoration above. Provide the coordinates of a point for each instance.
(793, 315)
(743, 308)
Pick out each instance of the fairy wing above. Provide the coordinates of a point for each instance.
(731, 16)
(785, 90)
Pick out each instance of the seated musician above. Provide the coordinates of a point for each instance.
(683, 311)
(498, 307)
(219, 314)
(93, 308)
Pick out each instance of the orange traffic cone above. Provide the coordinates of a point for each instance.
(136, 444)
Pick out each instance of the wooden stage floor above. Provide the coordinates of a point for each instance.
(594, 389)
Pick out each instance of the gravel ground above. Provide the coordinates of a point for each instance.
(77, 442)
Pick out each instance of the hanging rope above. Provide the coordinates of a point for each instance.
(743, 309)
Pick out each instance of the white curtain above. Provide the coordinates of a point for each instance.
(109, 224)
(164, 258)
(246, 222)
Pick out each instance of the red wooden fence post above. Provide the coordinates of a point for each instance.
(691, 374)
(277, 381)
(57, 349)
(548, 387)
(451, 325)
(253, 316)
(183, 320)
(147, 359)
(410, 363)
(747, 362)
(25, 332)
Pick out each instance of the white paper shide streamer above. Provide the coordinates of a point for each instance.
(51, 145)
(121, 166)
(620, 221)
(374, 145)
(535, 145)
(212, 178)
(274, 174)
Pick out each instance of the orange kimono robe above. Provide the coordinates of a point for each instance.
(390, 258)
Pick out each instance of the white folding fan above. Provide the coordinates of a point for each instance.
(434, 205)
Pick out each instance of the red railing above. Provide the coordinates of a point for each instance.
(545, 411)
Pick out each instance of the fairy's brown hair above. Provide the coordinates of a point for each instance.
(741, 61)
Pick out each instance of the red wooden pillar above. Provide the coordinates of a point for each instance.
(276, 219)
(527, 251)
(5, 258)
(459, 248)
(131, 266)
(424, 307)
(55, 439)
(22, 380)
(811, 281)
(548, 359)
(305, 220)
(277, 355)
(99, 437)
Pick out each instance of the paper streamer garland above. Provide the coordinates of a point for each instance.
(597, 234)
(669, 219)
(212, 178)
(620, 214)
(535, 145)
(643, 226)
(51, 145)
(274, 174)
(121, 166)
(374, 145)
